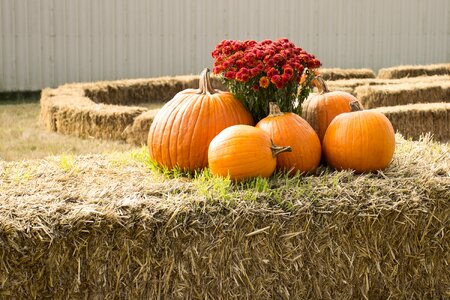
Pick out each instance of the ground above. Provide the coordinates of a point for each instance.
(23, 137)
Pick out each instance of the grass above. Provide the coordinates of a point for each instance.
(23, 137)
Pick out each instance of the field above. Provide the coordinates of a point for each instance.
(24, 137)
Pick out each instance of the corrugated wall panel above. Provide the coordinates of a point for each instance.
(2, 41)
(51, 42)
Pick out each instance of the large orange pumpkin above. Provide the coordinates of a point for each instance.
(321, 108)
(243, 151)
(182, 130)
(361, 140)
(290, 129)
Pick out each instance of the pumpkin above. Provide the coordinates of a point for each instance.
(242, 152)
(291, 129)
(322, 107)
(182, 130)
(362, 140)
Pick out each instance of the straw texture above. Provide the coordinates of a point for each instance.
(349, 85)
(401, 94)
(414, 71)
(415, 120)
(337, 74)
(104, 227)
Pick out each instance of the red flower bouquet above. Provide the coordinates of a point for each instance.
(269, 71)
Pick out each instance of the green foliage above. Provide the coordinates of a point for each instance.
(67, 163)
(289, 98)
(213, 188)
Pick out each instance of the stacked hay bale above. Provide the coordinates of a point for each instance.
(405, 86)
(68, 111)
(102, 109)
(137, 132)
(372, 96)
(349, 85)
(413, 120)
(339, 74)
(414, 71)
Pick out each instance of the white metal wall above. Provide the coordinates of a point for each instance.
(51, 42)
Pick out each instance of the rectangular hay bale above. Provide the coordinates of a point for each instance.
(337, 73)
(414, 120)
(349, 85)
(111, 229)
(414, 71)
(400, 94)
(137, 133)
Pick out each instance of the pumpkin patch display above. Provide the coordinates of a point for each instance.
(321, 108)
(182, 130)
(361, 140)
(291, 129)
(242, 152)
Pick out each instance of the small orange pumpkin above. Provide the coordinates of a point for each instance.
(182, 130)
(321, 108)
(242, 152)
(362, 140)
(291, 129)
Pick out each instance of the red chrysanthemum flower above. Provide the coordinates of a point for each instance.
(230, 75)
(285, 78)
(272, 72)
(275, 79)
(288, 70)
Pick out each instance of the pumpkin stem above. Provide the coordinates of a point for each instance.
(205, 86)
(322, 86)
(355, 106)
(279, 149)
(274, 109)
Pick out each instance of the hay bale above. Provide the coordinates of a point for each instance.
(349, 85)
(137, 133)
(414, 120)
(109, 228)
(414, 71)
(128, 92)
(400, 94)
(135, 91)
(76, 115)
(102, 109)
(336, 73)
(342, 89)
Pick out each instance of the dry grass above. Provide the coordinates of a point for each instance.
(24, 137)
(110, 226)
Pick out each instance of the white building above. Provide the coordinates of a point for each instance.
(51, 42)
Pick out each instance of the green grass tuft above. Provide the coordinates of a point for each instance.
(67, 163)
